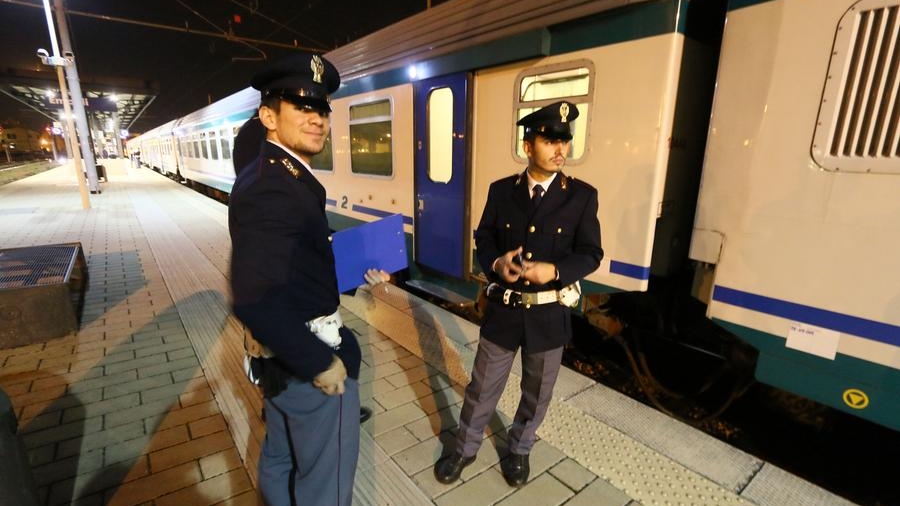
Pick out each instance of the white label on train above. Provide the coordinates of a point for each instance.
(814, 340)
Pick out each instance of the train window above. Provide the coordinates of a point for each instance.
(440, 135)
(213, 146)
(203, 145)
(572, 81)
(554, 85)
(370, 139)
(324, 161)
(226, 144)
(857, 128)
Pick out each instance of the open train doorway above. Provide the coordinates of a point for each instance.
(441, 134)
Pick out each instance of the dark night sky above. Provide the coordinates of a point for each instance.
(187, 69)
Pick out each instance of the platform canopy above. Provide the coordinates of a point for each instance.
(39, 90)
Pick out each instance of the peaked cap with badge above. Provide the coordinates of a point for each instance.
(302, 78)
(552, 121)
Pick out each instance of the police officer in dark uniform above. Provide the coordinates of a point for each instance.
(285, 291)
(538, 236)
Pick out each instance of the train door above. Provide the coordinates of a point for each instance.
(440, 109)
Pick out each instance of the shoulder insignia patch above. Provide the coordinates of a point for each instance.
(286, 162)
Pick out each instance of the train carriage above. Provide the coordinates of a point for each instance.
(157, 148)
(787, 232)
(798, 212)
(205, 139)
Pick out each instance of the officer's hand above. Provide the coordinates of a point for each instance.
(539, 273)
(507, 265)
(331, 380)
(376, 276)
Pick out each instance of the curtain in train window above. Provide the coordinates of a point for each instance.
(371, 139)
(538, 87)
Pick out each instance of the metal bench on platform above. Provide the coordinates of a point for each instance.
(41, 292)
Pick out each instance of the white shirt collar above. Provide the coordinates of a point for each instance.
(291, 152)
(546, 184)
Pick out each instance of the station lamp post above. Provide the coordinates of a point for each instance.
(60, 62)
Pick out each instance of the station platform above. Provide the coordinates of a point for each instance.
(147, 404)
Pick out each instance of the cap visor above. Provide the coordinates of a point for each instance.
(315, 103)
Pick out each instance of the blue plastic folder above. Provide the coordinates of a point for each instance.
(379, 244)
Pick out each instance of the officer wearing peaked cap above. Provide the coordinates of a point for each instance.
(304, 79)
(538, 235)
(285, 292)
(551, 122)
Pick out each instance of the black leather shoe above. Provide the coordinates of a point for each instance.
(515, 469)
(448, 468)
(364, 414)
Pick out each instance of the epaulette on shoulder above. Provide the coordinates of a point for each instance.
(287, 164)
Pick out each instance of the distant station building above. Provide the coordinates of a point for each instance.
(18, 143)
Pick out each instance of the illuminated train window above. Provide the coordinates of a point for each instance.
(540, 86)
(858, 128)
(226, 144)
(440, 135)
(371, 139)
(213, 146)
(324, 160)
(203, 146)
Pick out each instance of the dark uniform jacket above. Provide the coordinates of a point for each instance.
(563, 231)
(282, 264)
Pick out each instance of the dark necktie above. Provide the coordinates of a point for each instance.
(537, 193)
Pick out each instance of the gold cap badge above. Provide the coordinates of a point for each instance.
(317, 67)
(564, 112)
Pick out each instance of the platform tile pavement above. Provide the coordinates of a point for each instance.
(415, 411)
(121, 412)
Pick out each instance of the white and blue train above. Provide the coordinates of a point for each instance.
(764, 160)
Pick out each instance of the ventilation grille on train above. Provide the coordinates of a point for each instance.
(859, 119)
